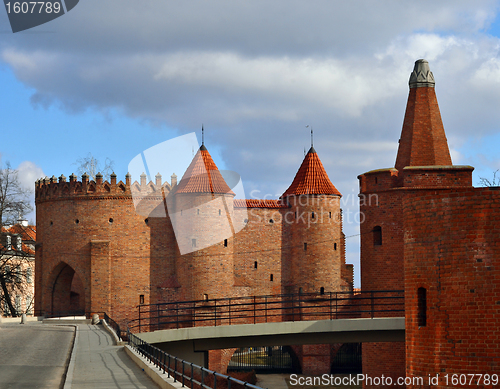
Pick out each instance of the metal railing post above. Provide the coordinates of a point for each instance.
(265, 309)
(372, 303)
(215, 312)
(254, 308)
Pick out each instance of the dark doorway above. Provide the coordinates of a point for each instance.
(68, 295)
(348, 359)
(265, 360)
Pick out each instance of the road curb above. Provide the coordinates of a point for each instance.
(71, 366)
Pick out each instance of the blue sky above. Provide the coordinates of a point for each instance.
(115, 78)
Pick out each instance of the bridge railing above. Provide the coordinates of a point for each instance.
(269, 308)
(184, 372)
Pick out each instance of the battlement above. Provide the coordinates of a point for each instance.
(415, 177)
(53, 188)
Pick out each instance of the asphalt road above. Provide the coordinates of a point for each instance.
(34, 355)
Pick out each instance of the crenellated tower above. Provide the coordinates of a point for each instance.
(93, 251)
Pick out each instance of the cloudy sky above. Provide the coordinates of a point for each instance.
(117, 77)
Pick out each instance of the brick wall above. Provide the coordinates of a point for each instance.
(452, 242)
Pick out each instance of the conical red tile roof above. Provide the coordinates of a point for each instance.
(311, 178)
(203, 176)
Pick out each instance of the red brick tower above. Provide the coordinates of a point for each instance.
(423, 165)
(314, 225)
(203, 226)
(313, 261)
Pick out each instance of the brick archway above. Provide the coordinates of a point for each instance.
(68, 293)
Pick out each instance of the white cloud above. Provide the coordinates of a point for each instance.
(28, 173)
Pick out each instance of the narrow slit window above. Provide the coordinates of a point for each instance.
(422, 307)
(312, 215)
(205, 297)
(377, 236)
(219, 212)
(305, 246)
(272, 277)
(225, 242)
(322, 290)
(255, 265)
(335, 246)
(330, 215)
(193, 242)
(141, 299)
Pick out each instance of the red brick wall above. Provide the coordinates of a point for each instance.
(452, 243)
(124, 247)
(314, 236)
(70, 215)
(382, 194)
(385, 359)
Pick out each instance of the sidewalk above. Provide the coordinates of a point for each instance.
(97, 363)
(272, 381)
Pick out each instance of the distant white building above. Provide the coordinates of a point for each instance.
(17, 268)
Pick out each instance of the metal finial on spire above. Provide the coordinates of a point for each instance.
(202, 135)
(311, 134)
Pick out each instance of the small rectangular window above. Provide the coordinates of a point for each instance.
(29, 305)
(255, 265)
(422, 307)
(272, 277)
(225, 242)
(193, 242)
(18, 304)
(141, 299)
(29, 275)
(6, 272)
(377, 236)
(305, 246)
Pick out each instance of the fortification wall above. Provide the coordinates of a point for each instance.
(96, 230)
(452, 241)
(258, 251)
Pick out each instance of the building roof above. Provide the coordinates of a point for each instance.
(203, 176)
(423, 140)
(255, 203)
(26, 232)
(311, 178)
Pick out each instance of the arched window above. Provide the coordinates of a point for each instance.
(377, 236)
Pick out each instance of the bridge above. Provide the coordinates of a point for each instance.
(189, 329)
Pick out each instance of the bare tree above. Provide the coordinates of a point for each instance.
(15, 257)
(487, 182)
(91, 166)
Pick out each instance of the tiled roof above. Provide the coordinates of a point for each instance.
(311, 178)
(27, 233)
(203, 176)
(254, 203)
